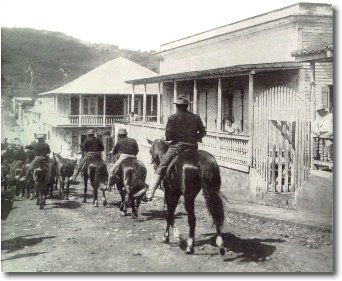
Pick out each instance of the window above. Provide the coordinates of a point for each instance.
(90, 106)
(327, 97)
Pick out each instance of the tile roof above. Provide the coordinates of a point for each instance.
(217, 72)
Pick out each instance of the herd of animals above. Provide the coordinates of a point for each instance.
(203, 175)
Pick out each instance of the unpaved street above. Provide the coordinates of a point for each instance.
(75, 237)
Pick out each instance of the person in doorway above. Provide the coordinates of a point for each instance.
(184, 129)
(125, 147)
(323, 128)
(230, 127)
(91, 148)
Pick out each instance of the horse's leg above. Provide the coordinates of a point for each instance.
(171, 200)
(189, 202)
(123, 207)
(95, 193)
(134, 208)
(67, 184)
(61, 187)
(85, 181)
(104, 200)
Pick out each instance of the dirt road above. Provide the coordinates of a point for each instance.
(70, 236)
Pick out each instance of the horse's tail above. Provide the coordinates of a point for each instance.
(128, 178)
(39, 175)
(209, 173)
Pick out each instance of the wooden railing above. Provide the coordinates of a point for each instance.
(81, 120)
(323, 153)
(229, 150)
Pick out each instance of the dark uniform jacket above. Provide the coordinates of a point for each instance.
(39, 149)
(92, 144)
(184, 126)
(126, 146)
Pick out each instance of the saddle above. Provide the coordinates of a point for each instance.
(174, 160)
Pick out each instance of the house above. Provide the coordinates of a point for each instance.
(95, 100)
(245, 71)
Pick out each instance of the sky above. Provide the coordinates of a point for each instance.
(133, 24)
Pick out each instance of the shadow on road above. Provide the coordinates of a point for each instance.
(6, 208)
(158, 215)
(19, 256)
(246, 249)
(67, 205)
(19, 243)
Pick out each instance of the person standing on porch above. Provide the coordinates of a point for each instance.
(92, 148)
(184, 129)
(323, 128)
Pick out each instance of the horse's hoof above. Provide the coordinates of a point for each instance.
(96, 204)
(31, 197)
(37, 203)
(84, 200)
(134, 216)
(41, 207)
(166, 239)
(189, 250)
(221, 252)
(104, 202)
(123, 213)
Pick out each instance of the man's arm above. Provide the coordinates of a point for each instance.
(169, 130)
(201, 130)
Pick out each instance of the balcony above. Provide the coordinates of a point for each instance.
(81, 120)
(230, 151)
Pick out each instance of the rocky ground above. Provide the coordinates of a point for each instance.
(70, 236)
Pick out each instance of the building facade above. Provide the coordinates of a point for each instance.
(247, 72)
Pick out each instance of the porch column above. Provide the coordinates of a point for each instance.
(174, 95)
(104, 110)
(144, 104)
(194, 105)
(160, 91)
(251, 115)
(128, 105)
(132, 104)
(313, 107)
(219, 105)
(151, 104)
(80, 110)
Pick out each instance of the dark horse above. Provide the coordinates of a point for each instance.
(65, 171)
(97, 172)
(130, 178)
(44, 178)
(190, 172)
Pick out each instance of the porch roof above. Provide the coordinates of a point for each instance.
(321, 52)
(108, 78)
(218, 72)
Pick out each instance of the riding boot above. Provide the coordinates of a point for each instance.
(152, 189)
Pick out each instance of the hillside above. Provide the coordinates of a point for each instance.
(35, 61)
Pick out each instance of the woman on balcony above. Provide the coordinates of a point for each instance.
(230, 127)
(323, 129)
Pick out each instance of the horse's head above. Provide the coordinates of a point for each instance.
(157, 150)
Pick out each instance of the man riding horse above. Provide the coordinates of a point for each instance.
(184, 129)
(41, 151)
(125, 148)
(92, 148)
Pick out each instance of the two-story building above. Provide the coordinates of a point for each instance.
(95, 100)
(246, 71)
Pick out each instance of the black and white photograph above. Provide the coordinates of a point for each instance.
(168, 136)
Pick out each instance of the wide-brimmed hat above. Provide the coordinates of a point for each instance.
(320, 106)
(122, 131)
(181, 99)
(40, 136)
(91, 132)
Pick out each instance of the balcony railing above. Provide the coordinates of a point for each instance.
(323, 153)
(229, 150)
(81, 120)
